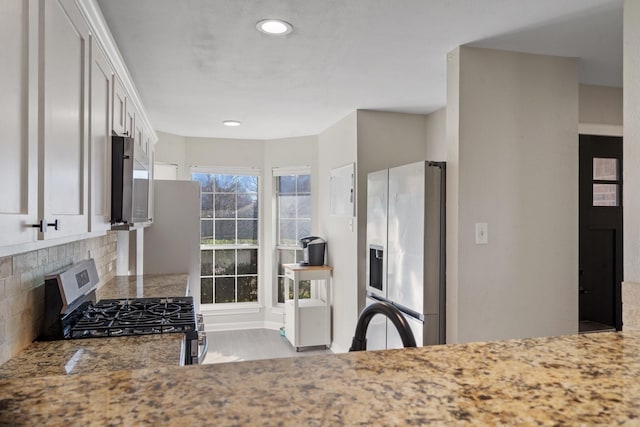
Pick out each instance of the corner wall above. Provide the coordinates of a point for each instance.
(172, 149)
(631, 175)
(337, 146)
(384, 140)
(513, 157)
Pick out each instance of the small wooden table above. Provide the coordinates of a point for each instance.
(308, 321)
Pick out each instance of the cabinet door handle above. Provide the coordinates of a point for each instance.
(42, 225)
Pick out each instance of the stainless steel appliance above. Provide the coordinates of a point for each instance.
(313, 249)
(71, 311)
(129, 182)
(405, 263)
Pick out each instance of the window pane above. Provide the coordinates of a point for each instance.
(225, 198)
(225, 232)
(206, 208)
(225, 205)
(205, 180)
(605, 195)
(225, 183)
(247, 261)
(247, 206)
(304, 206)
(285, 256)
(206, 291)
(206, 263)
(287, 233)
(304, 184)
(248, 289)
(287, 184)
(206, 232)
(299, 255)
(225, 289)
(304, 229)
(606, 169)
(225, 262)
(247, 184)
(247, 232)
(287, 206)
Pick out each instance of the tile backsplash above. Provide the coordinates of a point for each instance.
(22, 290)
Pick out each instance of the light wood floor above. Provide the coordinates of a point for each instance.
(252, 344)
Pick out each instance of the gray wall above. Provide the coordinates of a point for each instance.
(385, 140)
(513, 148)
(337, 146)
(631, 175)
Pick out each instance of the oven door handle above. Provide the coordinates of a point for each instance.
(205, 348)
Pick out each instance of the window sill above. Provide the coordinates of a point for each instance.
(227, 309)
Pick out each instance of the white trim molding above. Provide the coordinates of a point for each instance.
(100, 30)
(599, 129)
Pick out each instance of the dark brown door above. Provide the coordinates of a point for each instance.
(600, 230)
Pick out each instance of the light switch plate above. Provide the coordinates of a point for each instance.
(482, 233)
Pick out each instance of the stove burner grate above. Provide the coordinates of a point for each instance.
(110, 318)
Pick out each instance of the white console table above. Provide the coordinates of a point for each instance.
(308, 321)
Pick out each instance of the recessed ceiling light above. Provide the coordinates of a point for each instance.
(231, 123)
(276, 27)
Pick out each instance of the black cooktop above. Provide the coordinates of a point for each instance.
(140, 316)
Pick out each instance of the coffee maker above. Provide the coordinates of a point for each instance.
(313, 248)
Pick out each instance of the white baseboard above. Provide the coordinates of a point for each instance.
(239, 326)
(337, 348)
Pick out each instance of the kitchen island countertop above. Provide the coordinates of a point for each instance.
(567, 380)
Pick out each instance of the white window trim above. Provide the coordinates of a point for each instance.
(291, 170)
(226, 170)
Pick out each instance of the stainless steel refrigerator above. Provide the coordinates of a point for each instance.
(406, 251)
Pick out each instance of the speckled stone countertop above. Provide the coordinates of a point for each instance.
(146, 286)
(91, 355)
(571, 380)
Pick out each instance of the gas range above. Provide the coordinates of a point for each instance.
(140, 316)
(71, 311)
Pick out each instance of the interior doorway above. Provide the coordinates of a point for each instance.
(600, 233)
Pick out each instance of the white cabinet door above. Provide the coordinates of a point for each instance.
(18, 121)
(151, 150)
(130, 118)
(100, 146)
(65, 65)
(119, 107)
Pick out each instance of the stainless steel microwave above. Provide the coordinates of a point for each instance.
(129, 182)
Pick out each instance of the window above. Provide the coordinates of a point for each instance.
(229, 224)
(605, 182)
(292, 221)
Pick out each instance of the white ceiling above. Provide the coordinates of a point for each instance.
(199, 62)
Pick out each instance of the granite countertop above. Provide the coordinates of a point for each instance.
(569, 380)
(146, 286)
(92, 355)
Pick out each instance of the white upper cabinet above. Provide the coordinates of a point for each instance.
(18, 121)
(65, 65)
(100, 146)
(63, 91)
(119, 106)
(130, 118)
